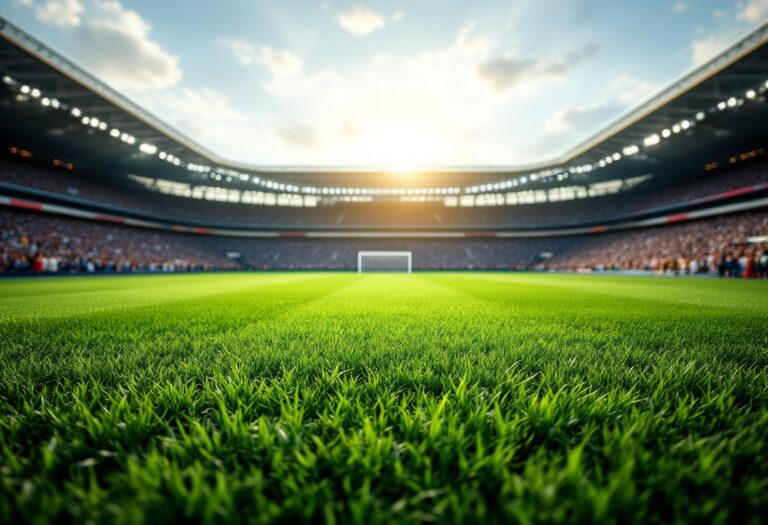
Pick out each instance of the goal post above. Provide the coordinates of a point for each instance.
(384, 262)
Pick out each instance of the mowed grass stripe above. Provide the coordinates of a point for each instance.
(89, 295)
(212, 325)
(360, 325)
(380, 398)
(733, 294)
(45, 285)
(562, 314)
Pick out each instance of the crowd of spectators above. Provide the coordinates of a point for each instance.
(34, 243)
(40, 243)
(392, 214)
(718, 246)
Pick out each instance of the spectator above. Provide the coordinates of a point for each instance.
(716, 245)
(672, 248)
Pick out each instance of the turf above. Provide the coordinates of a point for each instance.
(495, 398)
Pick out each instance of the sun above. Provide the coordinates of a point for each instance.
(402, 149)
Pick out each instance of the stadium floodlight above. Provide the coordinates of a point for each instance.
(751, 93)
(149, 149)
(373, 261)
(631, 150)
(651, 140)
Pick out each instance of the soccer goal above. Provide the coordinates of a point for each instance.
(383, 262)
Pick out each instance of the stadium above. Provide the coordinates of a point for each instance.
(185, 337)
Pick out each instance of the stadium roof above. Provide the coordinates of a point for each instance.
(703, 103)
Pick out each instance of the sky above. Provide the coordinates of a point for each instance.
(396, 83)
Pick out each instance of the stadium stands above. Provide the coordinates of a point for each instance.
(32, 243)
(679, 184)
(715, 246)
(393, 214)
(39, 243)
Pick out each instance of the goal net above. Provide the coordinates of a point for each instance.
(383, 262)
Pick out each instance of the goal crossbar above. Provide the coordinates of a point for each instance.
(362, 255)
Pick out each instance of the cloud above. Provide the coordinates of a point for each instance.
(754, 11)
(243, 50)
(469, 46)
(624, 90)
(397, 16)
(680, 7)
(60, 13)
(297, 135)
(572, 123)
(205, 115)
(409, 109)
(281, 63)
(203, 103)
(582, 117)
(114, 43)
(402, 109)
(631, 90)
(360, 21)
(508, 71)
(706, 49)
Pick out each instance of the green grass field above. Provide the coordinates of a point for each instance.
(495, 398)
